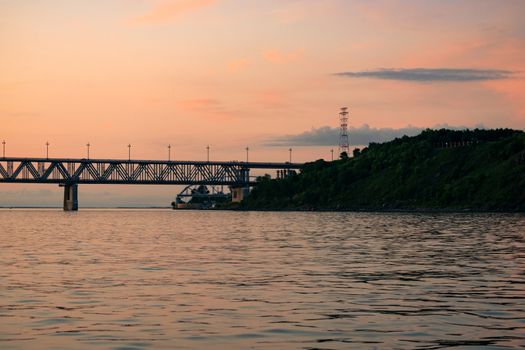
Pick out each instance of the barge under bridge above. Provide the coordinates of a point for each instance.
(70, 172)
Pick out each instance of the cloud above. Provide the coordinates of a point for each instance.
(169, 10)
(238, 65)
(280, 57)
(328, 136)
(431, 74)
(199, 103)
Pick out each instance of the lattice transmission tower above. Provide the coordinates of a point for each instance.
(343, 132)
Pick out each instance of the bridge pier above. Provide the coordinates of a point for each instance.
(239, 193)
(70, 197)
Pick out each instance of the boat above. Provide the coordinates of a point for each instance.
(200, 197)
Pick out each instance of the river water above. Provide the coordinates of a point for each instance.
(163, 279)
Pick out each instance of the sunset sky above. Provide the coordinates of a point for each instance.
(265, 74)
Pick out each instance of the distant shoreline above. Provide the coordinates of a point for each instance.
(368, 210)
(407, 211)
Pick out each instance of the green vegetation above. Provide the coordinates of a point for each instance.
(436, 170)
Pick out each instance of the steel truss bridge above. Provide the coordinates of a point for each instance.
(70, 172)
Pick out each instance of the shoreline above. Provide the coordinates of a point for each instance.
(419, 210)
(303, 210)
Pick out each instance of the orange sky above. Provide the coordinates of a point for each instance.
(236, 73)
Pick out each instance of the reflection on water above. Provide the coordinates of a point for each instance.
(111, 279)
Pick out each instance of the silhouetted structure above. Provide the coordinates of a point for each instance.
(71, 172)
(343, 136)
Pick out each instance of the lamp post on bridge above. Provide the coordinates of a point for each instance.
(169, 153)
(3, 148)
(247, 150)
(208, 153)
(129, 152)
(332, 151)
(47, 149)
(290, 150)
(88, 145)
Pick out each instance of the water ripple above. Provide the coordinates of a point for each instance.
(130, 280)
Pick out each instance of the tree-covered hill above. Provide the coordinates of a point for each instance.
(438, 169)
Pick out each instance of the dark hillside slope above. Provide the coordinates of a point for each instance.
(438, 169)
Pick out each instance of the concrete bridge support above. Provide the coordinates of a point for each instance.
(239, 193)
(70, 197)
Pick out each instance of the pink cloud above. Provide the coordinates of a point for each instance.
(169, 10)
(207, 108)
(238, 64)
(199, 103)
(280, 57)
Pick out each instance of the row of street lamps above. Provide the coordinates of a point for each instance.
(88, 145)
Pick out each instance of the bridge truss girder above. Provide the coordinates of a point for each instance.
(123, 172)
